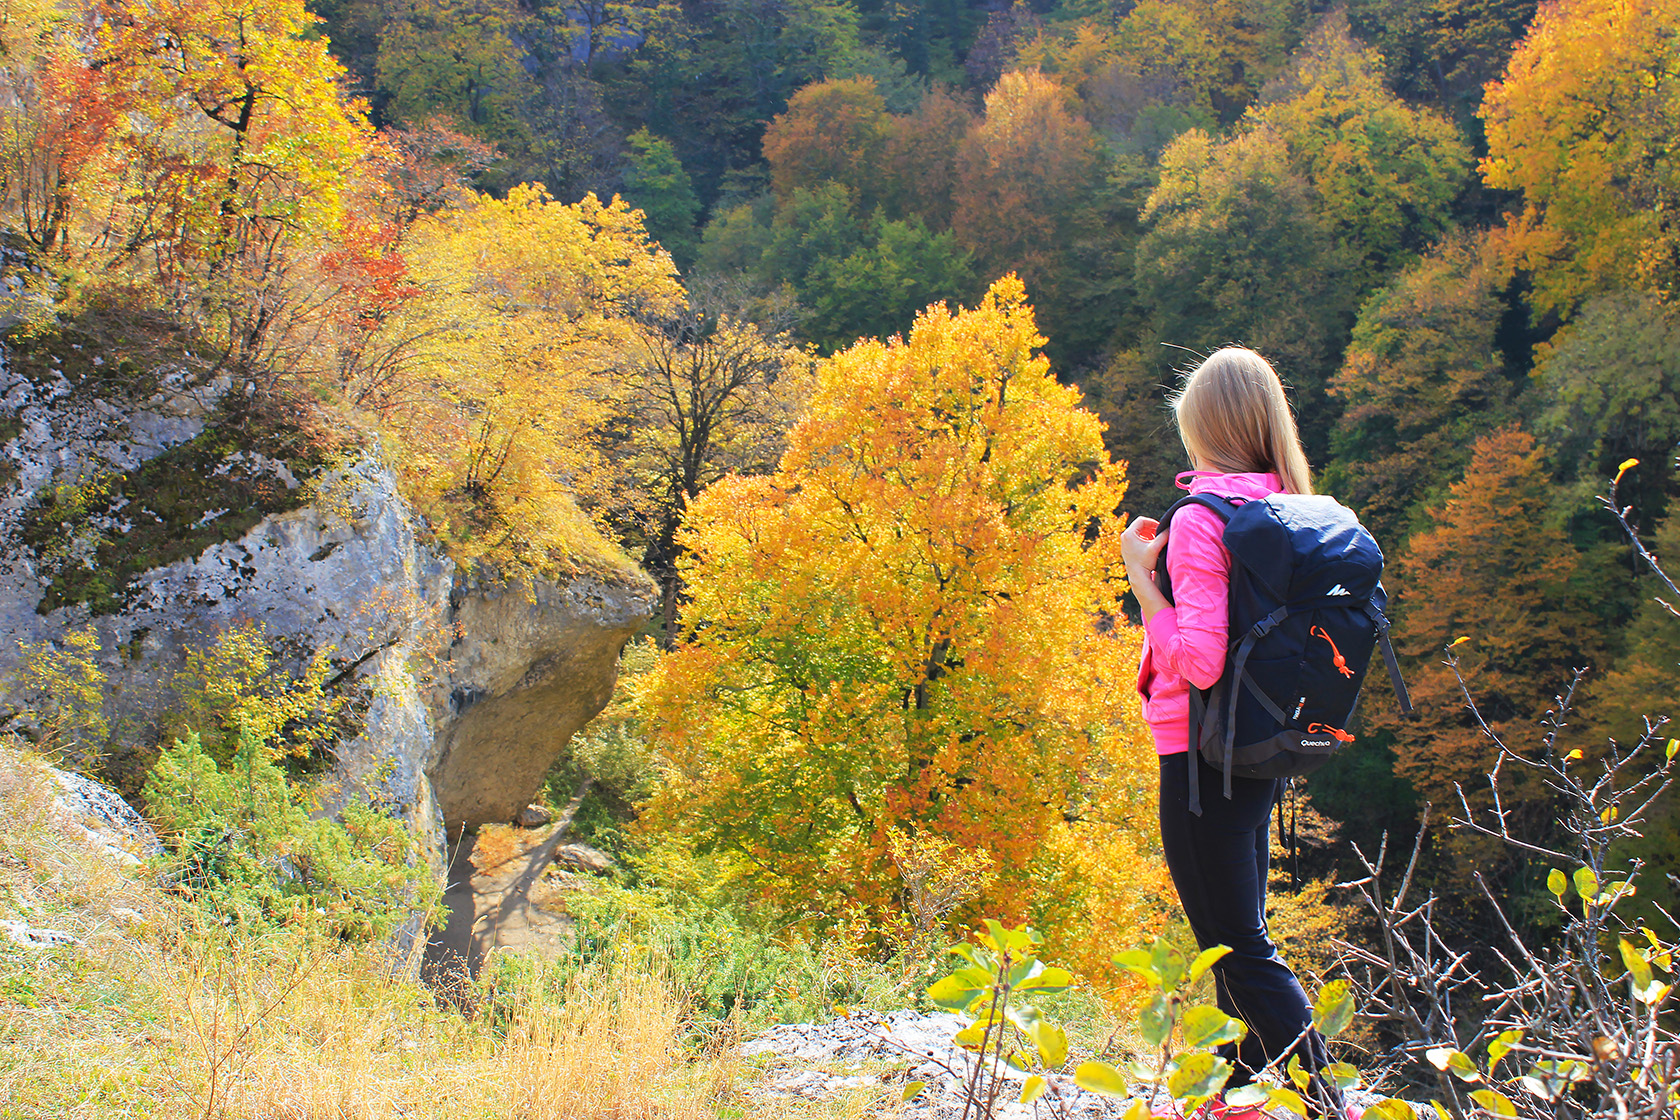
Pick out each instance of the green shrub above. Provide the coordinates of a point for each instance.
(242, 842)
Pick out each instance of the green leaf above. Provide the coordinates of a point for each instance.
(1052, 1043)
(1100, 1077)
(1205, 960)
(1209, 1026)
(1334, 1009)
(1495, 1102)
(1047, 980)
(1198, 1077)
(971, 1037)
(1033, 1088)
(1342, 1075)
(1022, 971)
(1138, 963)
(1638, 967)
(1169, 964)
(1251, 1095)
(1391, 1109)
(1019, 942)
(913, 1090)
(952, 994)
(1454, 1062)
(1586, 883)
(1557, 883)
(1155, 1019)
(1501, 1046)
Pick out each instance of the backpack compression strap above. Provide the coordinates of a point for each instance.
(1393, 663)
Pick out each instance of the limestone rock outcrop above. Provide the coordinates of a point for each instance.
(133, 501)
(534, 663)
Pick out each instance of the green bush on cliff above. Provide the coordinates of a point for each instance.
(243, 842)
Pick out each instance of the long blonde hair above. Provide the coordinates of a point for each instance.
(1234, 418)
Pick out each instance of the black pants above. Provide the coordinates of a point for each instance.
(1218, 863)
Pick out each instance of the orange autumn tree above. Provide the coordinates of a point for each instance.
(1496, 569)
(1024, 177)
(247, 131)
(913, 626)
(833, 130)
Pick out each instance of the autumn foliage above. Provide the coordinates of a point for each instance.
(1493, 568)
(913, 626)
(572, 270)
(1581, 124)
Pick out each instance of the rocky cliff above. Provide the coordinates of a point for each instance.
(143, 493)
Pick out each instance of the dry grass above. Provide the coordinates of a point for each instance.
(497, 843)
(157, 1013)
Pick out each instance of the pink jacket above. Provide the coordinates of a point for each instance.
(1187, 642)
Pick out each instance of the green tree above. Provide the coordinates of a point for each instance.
(878, 289)
(711, 77)
(656, 184)
(1386, 175)
(1443, 51)
(1235, 251)
(1608, 390)
(854, 277)
(1421, 377)
(456, 59)
(245, 841)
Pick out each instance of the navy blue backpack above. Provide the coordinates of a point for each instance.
(1306, 611)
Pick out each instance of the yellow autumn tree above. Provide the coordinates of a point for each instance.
(524, 307)
(913, 627)
(1582, 124)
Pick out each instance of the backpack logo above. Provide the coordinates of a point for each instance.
(1338, 590)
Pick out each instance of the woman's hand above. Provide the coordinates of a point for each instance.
(1140, 547)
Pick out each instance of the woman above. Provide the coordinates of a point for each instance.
(1235, 423)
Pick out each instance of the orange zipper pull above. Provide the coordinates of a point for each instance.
(1334, 732)
(1341, 663)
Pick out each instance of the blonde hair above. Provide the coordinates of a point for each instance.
(1234, 418)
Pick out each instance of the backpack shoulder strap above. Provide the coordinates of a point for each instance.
(1222, 508)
